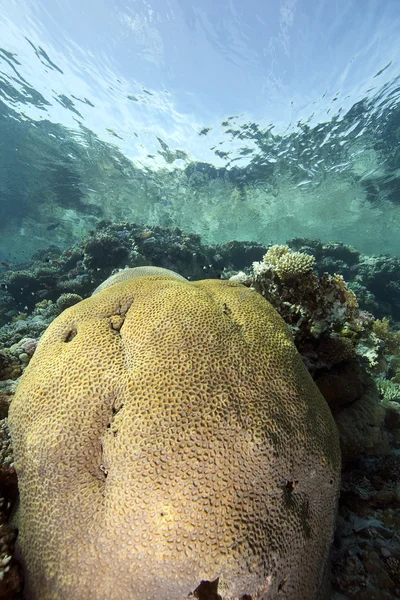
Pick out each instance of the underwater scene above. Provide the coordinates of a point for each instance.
(199, 300)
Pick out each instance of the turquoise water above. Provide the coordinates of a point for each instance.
(199, 137)
(253, 122)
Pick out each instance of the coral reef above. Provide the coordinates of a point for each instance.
(381, 276)
(286, 264)
(374, 279)
(388, 390)
(342, 346)
(33, 326)
(107, 248)
(330, 257)
(10, 367)
(10, 571)
(353, 357)
(204, 450)
(366, 557)
(240, 254)
(321, 311)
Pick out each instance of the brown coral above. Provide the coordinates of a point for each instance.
(361, 427)
(10, 573)
(10, 367)
(187, 445)
(67, 300)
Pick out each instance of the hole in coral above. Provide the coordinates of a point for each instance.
(282, 584)
(70, 335)
(110, 425)
(225, 309)
(116, 322)
(116, 409)
(290, 485)
(207, 590)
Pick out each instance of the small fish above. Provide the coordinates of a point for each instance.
(144, 235)
(53, 226)
(205, 130)
(47, 286)
(6, 264)
(51, 261)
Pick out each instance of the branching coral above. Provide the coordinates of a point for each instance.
(293, 265)
(317, 309)
(67, 300)
(388, 390)
(383, 350)
(275, 254)
(391, 339)
(288, 265)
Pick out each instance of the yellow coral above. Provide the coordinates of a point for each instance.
(275, 253)
(167, 433)
(382, 329)
(285, 263)
(349, 297)
(293, 265)
(19, 317)
(384, 332)
(134, 272)
(43, 304)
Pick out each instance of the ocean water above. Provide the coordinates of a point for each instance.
(261, 122)
(194, 135)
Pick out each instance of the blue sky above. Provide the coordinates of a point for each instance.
(168, 67)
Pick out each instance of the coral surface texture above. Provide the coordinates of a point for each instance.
(170, 443)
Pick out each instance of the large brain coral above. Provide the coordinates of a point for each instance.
(134, 272)
(166, 435)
